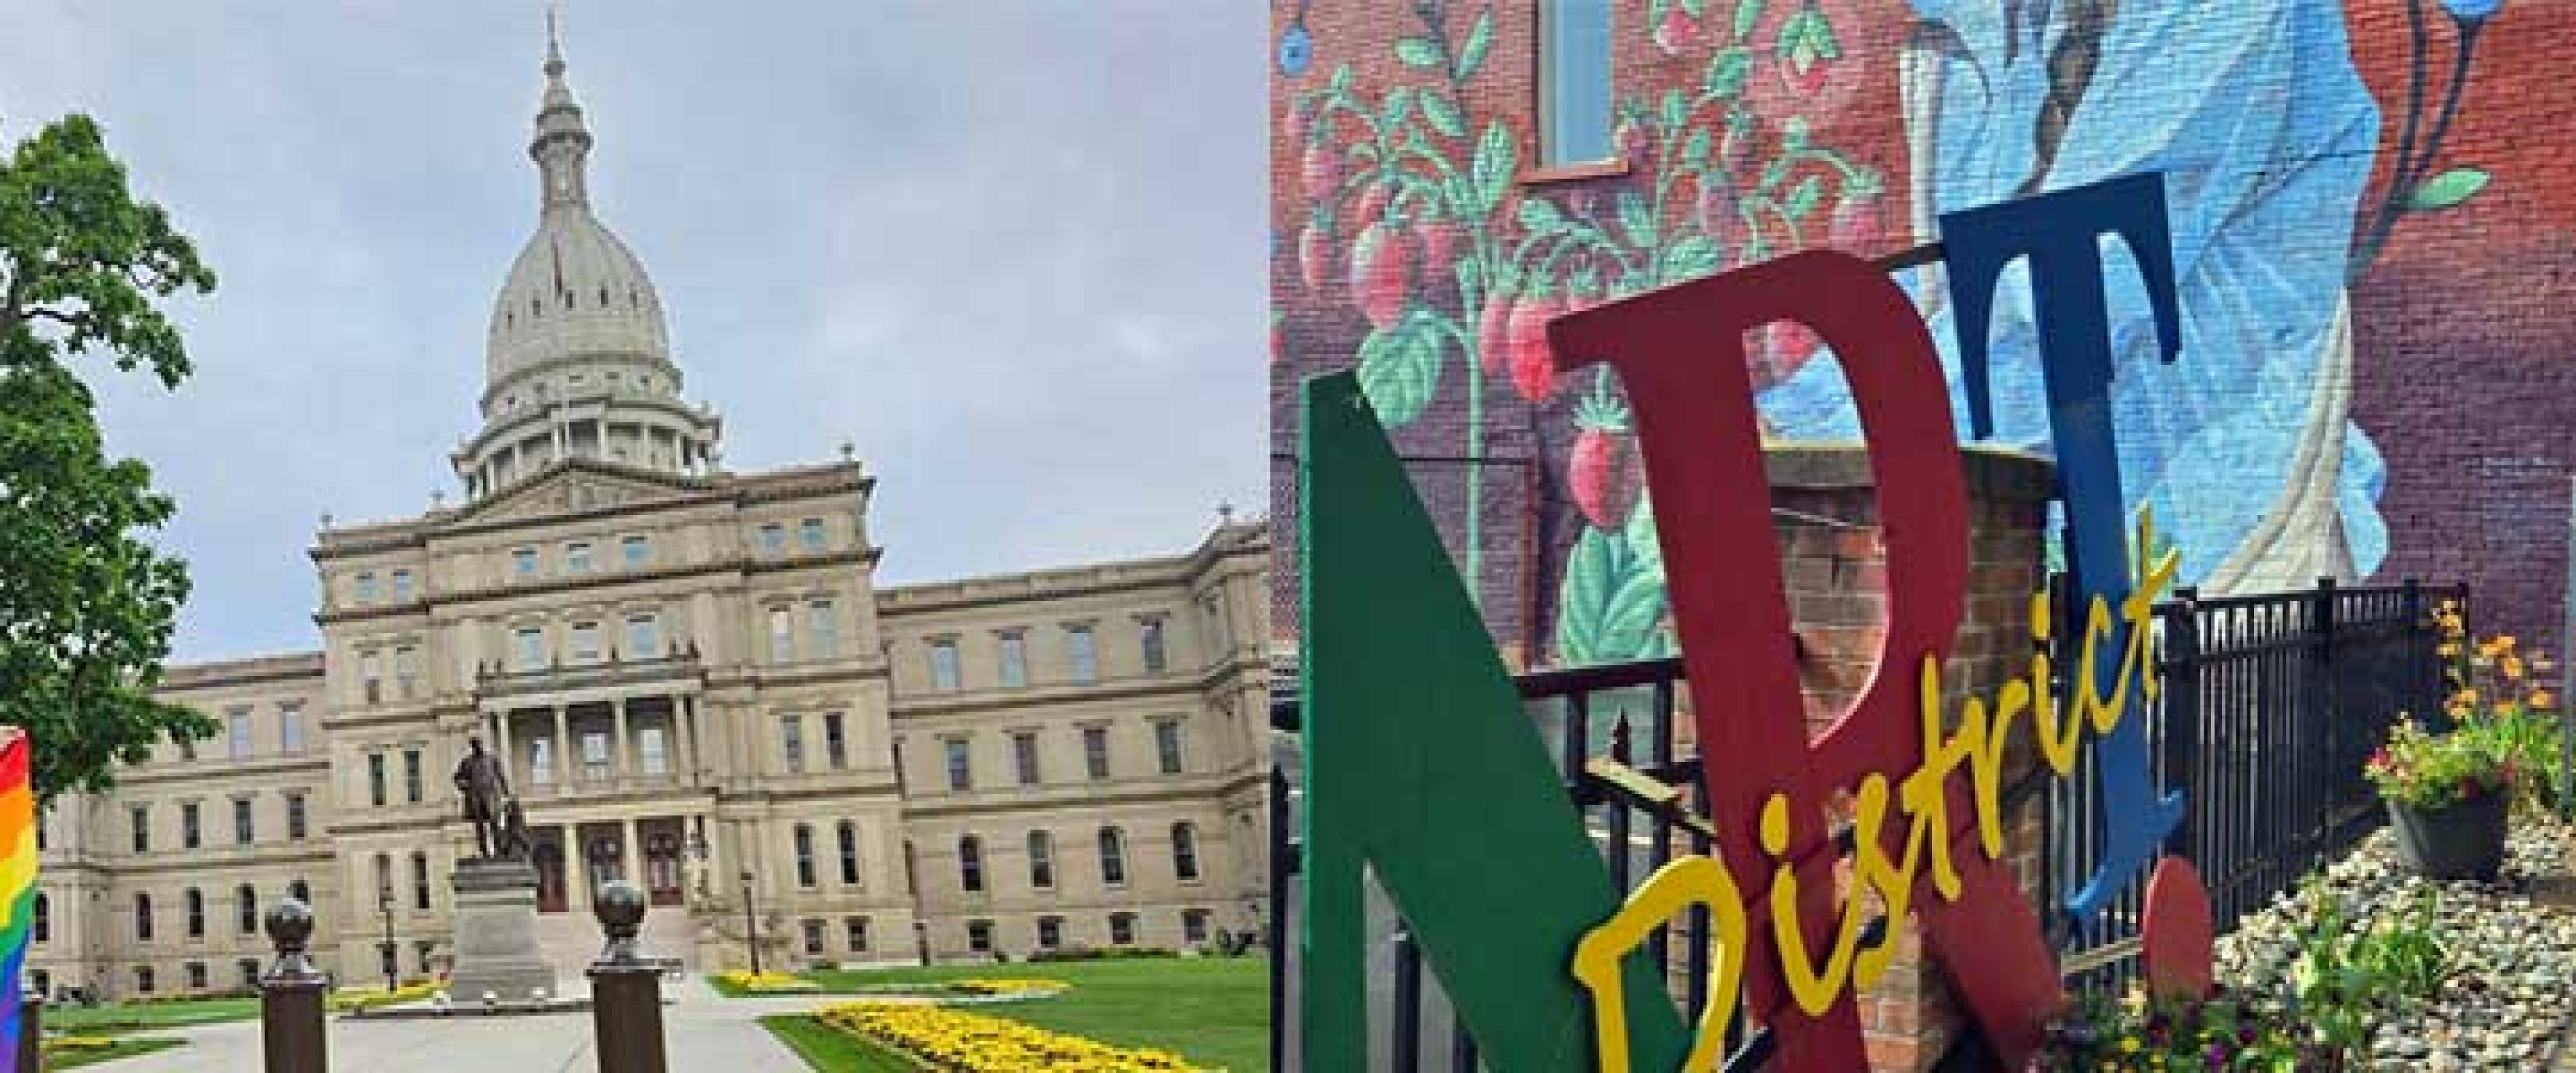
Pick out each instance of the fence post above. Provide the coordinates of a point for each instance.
(291, 996)
(1283, 863)
(2182, 717)
(625, 989)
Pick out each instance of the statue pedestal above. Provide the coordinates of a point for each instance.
(496, 935)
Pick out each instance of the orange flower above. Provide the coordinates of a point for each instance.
(2540, 698)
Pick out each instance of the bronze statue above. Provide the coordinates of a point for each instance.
(515, 842)
(483, 784)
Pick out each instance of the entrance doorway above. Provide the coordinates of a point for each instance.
(549, 859)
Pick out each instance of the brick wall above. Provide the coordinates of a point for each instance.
(2458, 370)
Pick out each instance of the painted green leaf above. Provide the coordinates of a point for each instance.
(1747, 13)
(2447, 189)
(1398, 100)
(1804, 197)
(1655, 12)
(1417, 52)
(1727, 71)
(1342, 77)
(1635, 219)
(1540, 217)
(1793, 134)
(1695, 151)
(1693, 6)
(1480, 39)
(1640, 534)
(1689, 258)
(1442, 115)
(1611, 602)
(1675, 112)
(1400, 370)
(1496, 159)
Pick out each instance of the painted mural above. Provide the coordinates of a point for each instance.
(2305, 142)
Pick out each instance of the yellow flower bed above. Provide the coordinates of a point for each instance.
(767, 983)
(985, 985)
(57, 1044)
(954, 1041)
(364, 998)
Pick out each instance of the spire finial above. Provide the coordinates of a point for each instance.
(554, 44)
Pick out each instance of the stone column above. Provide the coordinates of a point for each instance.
(577, 878)
(619, 746)
(684, 728)
(501, 744)
(633, 855)
(563, 758)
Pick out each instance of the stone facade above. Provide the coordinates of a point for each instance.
(698, 685)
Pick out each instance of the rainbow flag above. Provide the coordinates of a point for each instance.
(17, 883)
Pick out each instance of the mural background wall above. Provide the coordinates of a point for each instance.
(2374, 218)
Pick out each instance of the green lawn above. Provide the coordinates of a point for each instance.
(830, 1050)
(1213, 1011)
(122, 1017)
(126, 1047)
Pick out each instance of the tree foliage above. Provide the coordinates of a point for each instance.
(87, 603)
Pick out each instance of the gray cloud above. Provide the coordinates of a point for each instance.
(1013, 250)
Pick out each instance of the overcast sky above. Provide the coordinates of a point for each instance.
(1013, 249)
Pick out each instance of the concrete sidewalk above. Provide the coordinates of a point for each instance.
(705, 1032)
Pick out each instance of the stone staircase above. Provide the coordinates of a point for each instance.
(570, 940)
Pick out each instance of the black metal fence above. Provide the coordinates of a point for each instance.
(2268, 706)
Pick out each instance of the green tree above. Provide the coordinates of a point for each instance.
(87, 604)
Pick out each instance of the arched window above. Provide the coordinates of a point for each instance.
(142, 917)
(196, 913)
(1185, 850)
(246, 905)
(44, 922)
(849, 853)
(970, 864)
(1041, 860)
(1113, 857)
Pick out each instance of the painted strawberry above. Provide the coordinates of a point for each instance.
(1596, 470)
(1371, 207)
(1533, 365)
(1678, 31)
(1381, 261)
(1323, 169)
(1806, 49)
(1314, 256)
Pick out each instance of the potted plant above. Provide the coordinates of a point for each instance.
(2448, 797)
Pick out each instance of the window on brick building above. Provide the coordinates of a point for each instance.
(970, 864)
(848, 833)
(1122, 929)
(192, 833)
(1185, 851)
(1149, 644)
(1024, 756)
(195, 904)
(1050, 932)
(1095, 751)
(1014, 658)
(804, 855)
(1081, 658)
(1574, 82)
(1041, 860)
(854, 934)
(1113, 857)
(244, 831)
(836, 740)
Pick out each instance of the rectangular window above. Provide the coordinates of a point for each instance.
(1167, 746)
(849, 833)
(854, 934)
(143, 979)
(1194, 925)
(541, 761)
(1095, 751)
(191, 833)
(638, 550)
(782, 635)
(791, 742)
(1122, 928)
(238, 724)
(643, 637)
(813, 937)
(406, 670)
(836, 741)
(290, 728)
(810, 534)
(244, 832)
(367, 588)
(649, 742)
(1050, 932)
(577, 556)
(402, 586)
(1024, 755)
(594, 755)
(825, 627)
(1149, 643)
(411, 776)
(979, 936)
(961, 764)
(196, 976)
(804, 855)
(142, 817)
(523, 562)
(187, 748)
(585, 642)
(295, 817)
(420, 882)
(1079, 655)
(1015, 659)
(943, 663)
(376, 779)
(1574, 82)
(532, 649)
(773, 539)
(371, 674)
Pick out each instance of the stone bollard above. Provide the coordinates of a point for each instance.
(31, 1031)
(291, 996)
(625, 989)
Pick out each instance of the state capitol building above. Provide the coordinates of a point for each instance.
(697, 685)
